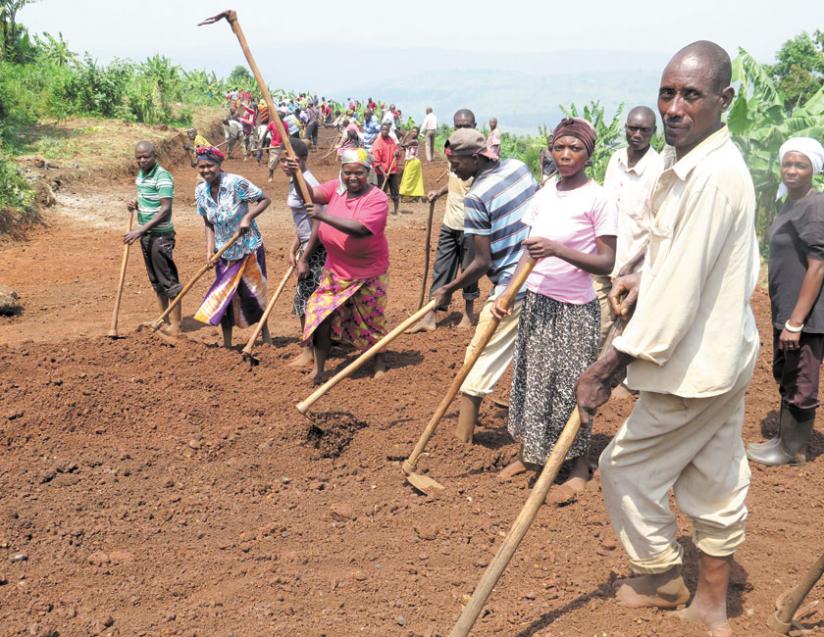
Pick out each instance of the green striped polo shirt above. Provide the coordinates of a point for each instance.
(153, 186)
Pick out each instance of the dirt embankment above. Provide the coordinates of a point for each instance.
(86, 151)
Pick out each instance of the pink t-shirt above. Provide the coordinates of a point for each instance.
(351, 257)
(574, 218)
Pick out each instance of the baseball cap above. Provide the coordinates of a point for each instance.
(466, 142)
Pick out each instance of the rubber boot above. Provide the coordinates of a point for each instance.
(768, 444)
(796, 429)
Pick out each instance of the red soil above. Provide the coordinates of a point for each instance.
(161, 490)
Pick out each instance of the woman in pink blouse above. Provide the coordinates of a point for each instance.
(350, 301)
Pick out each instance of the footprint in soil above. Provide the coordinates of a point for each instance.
(331, 432)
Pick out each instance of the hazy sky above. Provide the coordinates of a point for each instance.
(429, 46)
(133, 29)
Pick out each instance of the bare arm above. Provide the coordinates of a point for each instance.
(810, 289)
(599, 262)
(260, 205)
(474, 271)
(210, 238)
(161, 217)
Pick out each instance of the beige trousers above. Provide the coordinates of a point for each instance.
(497, 355)
(603, 286)
(692, 446)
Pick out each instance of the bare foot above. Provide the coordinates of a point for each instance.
(720, 629)
(171, 330)
(567, 493)
(427, 324)
(511, 470)
(709, 605)
(466, 322)
(379, 369)
(304, 359)
(662, 590)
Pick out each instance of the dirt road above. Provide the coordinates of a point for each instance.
(166, 491)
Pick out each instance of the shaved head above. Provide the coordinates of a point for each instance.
(643, 115)
(709, 57)
(694, 92)
(464, 118)
(145, 146)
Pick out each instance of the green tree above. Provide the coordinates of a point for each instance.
(15, 43)
(240, 78)
(799, 71)
(609, 134)
(759, 122)
(54, 50)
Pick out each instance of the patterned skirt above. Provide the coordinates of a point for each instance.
(307, 286)
(357, 308)
(556, 343)
(238, 294)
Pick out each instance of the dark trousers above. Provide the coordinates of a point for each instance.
(454, 251)
(312, 132)
(160, 266)
(797, 371)
(393, 184)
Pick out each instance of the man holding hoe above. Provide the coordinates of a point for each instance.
(155, 190)
(690, 349)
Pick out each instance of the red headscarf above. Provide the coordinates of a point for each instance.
(578, 128)
(210, 153)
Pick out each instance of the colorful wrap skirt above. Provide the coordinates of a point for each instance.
(357, 308)
(238, 295)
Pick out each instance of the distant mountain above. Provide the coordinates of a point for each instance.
(521, 90)
(520, 101)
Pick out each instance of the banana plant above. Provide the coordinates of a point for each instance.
(759, 123)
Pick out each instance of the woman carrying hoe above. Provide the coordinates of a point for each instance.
(573, 227)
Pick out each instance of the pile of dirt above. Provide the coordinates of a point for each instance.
(149, 490)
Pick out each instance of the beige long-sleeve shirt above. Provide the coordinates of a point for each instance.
(631, 188)
(693, 331)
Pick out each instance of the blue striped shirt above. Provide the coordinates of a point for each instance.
(493, 207)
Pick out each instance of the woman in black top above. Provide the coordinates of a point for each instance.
(796, 274)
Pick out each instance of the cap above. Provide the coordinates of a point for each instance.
(467, 141)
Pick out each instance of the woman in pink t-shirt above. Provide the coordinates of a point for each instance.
(573, 225)
(349, 303)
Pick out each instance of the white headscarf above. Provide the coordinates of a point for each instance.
(807, 146)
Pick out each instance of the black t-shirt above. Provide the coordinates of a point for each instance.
(796, 235)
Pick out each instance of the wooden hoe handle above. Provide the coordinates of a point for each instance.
(259, 328)
(231, 17)
(507, 298)
(123, 262)
(527, 515)
(203, 269)
(359, 362)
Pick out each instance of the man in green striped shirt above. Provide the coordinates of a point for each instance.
(155, 190)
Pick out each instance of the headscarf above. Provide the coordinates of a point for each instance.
(807, 146)
(353, 156)
(210, 153)
(580, 129)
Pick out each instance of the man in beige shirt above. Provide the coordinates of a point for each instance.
(631, 174)
(689, 349)
(454, 251)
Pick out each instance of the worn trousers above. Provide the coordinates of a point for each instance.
(603, 286)
(497, 354)
(455, 250)
(692, 446)
(429, 143)
(797, 371)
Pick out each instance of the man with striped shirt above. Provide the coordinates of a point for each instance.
(493, 208)
(155, 190)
